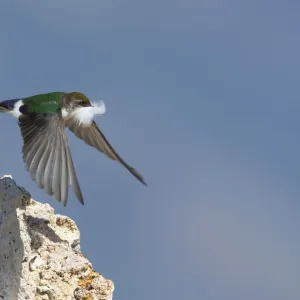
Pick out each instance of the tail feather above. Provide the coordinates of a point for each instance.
(3, 109)
(8, 105)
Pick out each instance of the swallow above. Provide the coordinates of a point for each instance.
(42, 120)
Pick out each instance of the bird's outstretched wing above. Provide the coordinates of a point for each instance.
(93, 136)
(47, 155)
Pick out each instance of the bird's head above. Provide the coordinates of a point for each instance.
(78, 99)
(82, 109)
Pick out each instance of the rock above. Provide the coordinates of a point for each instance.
(40, 255)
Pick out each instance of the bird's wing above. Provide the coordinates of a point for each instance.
(93, 136)
(47, 155)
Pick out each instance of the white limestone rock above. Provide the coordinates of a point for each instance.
(40, 255)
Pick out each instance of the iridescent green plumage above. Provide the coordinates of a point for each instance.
(44, 103)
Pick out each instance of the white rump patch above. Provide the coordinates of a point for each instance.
(16, 111)
(85, 115)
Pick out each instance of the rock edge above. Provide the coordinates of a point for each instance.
(40, 255)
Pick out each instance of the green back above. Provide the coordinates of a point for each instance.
(44, 103)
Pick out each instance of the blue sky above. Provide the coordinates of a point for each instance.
(202, 99)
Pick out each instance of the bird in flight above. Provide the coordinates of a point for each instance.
(42, 119)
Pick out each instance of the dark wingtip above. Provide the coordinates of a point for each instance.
(138, 176)
(80, 200)
(143, 182)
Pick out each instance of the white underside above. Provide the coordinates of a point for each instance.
(16, 112)
(85, 115)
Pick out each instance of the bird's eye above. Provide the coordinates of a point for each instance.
(82, 102)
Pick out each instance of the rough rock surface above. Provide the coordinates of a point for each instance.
(40, 255)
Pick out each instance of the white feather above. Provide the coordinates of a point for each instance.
(64, 113)
(85, 115)
(16, 111)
